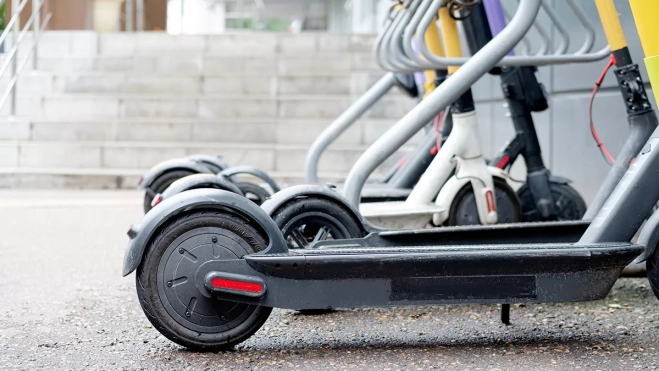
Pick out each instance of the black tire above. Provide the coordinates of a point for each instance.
(253, 192)
(652, 267)
(308, 216)
(465, 212)
(568, 202)
(181, 312)
(161, 183)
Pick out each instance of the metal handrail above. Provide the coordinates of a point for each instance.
(14, 79)
(18, 36)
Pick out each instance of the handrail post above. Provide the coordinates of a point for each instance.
(36, 10)
(139, 13)
(14, 62)
(129, 16)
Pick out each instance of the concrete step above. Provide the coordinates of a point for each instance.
(143, 155)
(157, 43)
(215, 106)
(36, 83)
(212, 65)
(260, 130)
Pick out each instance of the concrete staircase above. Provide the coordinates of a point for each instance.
(102, 108)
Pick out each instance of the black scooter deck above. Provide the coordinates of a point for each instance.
(421, 275)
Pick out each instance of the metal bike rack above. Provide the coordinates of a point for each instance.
(349, 117)
(400, 47)
(420, 14)
(343, 122)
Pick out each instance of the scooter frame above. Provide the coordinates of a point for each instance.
(462, 149)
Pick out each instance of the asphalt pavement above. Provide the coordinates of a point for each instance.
(66, 306)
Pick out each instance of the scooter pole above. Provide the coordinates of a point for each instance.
(645, 14)
(642, 119)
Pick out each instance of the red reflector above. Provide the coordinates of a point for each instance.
(503, 162)
(222, 283)
(139, 182)
(491, 205)
(156, 200)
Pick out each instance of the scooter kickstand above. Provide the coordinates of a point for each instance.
(505, 314)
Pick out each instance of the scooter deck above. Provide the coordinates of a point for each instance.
(399, 214)
(384, 193)
(421, 275)
(518, 233)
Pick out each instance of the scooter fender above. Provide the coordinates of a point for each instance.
(214, 162)
(450, 190)
(171, 165)
(199, 199)
(559, 180)
(271, 205)
(253, 171)
(649, 237)
(197, 181)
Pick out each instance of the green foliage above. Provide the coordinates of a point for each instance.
(277, 24)
(240, 24)
(3, 15)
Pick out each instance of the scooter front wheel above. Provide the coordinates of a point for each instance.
(308, 220)
(172, 293)
(253, 192)
(160, 184)
(465, 212)
(568, 203)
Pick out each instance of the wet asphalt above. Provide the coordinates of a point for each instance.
(66, 306)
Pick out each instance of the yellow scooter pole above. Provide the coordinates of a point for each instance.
(646, 16)
(434, 44)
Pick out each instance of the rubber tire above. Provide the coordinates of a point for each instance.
(160, 184)
(574, 209)
(294, 208)
(501, 189)
(254, 189)
(299, 206)
(652, 266)
(147, 288)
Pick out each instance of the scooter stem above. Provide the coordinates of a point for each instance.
(444, 95)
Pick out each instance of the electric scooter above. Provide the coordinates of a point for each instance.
(476, 194)
(543, 196)
(212, 264)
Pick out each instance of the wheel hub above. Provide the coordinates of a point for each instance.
(181, 283)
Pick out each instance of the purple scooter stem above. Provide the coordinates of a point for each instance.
(495, 17)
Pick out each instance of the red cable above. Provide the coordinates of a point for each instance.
(605, 152)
